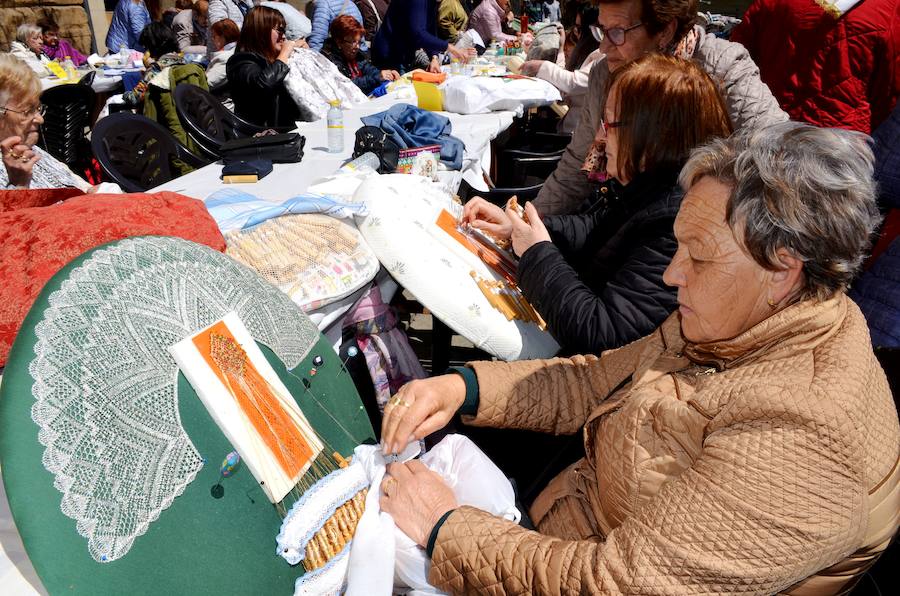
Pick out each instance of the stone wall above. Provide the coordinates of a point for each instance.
(69, 14)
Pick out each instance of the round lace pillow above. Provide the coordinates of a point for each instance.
(436, 269)
(110, 458)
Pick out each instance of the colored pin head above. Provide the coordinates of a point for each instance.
(230, 464)
(352, 351)
(318, 361)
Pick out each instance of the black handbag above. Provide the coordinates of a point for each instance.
(277, 148)
(373, 139)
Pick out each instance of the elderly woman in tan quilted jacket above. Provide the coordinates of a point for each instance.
(750, 444)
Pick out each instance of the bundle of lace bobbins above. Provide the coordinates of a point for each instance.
(336, 533)
(509, 300)
(283, 247)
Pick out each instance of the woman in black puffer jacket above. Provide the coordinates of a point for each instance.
(596, 276)
(257, 70)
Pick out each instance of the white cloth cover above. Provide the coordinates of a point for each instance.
(478, 95)
(400, 228)
(379, 547)
(103, 376)
(313, 81)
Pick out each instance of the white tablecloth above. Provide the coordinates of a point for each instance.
(291, 179)
(101, 84)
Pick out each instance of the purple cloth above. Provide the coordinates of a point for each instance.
(63, 49)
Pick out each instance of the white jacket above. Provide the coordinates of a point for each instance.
(24, 53)
(573, 84)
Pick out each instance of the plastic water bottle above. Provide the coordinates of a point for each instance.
(69, 67)
(335, 121)
(367, 160)
(124, 56)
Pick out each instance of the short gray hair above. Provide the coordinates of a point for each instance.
(794, 186)
(26, 30)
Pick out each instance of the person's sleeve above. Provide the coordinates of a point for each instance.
(762, 507)
(418, 31)
(446, 21)
(320, 22)
(749, 101)
(495, 28)
(369, 79)
(182, 33)
(584, 320)
(568, 186)
(140, 18)
(883, 86)
(215, 13)
(552, 396)
(268, 78)
(570, 232)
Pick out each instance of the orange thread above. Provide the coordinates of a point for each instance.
(255, 398)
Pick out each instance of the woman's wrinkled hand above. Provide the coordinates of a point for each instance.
(526, 234)
(463, 55)
(19, 161)
(530, 68)
(390, 75)
(416, 498)
(420, 408)
(487, 217)
(435, 65)
(301, 43)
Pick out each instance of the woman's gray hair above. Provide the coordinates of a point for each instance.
(25, 31)
(794, 186)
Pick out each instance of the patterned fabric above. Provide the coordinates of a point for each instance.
(65, 48)
(741, 466)
(48, 172)
(104, 377)
(37, 242)
(389, 357)
(313, 81)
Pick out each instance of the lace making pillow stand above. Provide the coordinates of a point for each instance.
(401, 229)
(109, 457)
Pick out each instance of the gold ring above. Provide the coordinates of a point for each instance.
(24, 160)
(388, 485)
(399, 401)
(15, 155)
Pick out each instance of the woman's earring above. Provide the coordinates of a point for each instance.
(771, 303)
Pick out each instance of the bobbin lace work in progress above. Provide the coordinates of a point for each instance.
(103, 376)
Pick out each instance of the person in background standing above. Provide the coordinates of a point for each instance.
(27, 47)
(128, 20)
(408, 37)
(326, 11)
(372, 12)
(56, 48)
(190, 28)
(452, 19)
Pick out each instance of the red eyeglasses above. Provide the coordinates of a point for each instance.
(607, 125)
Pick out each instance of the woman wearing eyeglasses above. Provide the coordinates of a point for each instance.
(597, 277)
(21, 114)
(631, 29)
(342, 48)
(570, 75)
(258, 68)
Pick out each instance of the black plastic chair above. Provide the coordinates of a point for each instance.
(520, 168)
(66, 122)
(88, 79)
(138, 153)
(209, 122)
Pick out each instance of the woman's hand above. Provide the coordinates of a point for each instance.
(301, 43)
(416, 498)
(530, 68)
(287, 48)
(487, 217)
(19, 160)
(460, 54)
(526, 234)
(390, 75)
(435, 66)
(420, 408)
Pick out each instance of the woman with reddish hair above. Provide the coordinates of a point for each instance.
(258, 68)
(342, 48)
(224, 35)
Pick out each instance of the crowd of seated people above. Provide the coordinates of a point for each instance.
(698, 254)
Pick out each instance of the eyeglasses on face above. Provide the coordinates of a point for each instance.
(349, 42)
(281, 30)
(30, 112)
(615, 35)
(607, 125)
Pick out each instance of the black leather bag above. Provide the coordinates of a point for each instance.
(277, 148)
(373, 139)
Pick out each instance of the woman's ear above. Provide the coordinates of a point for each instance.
(789, 278)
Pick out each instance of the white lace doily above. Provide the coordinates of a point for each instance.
(105, 383)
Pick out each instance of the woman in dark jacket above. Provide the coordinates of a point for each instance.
(257, 70)
(596, 277)
(410, 28)
(342, 48)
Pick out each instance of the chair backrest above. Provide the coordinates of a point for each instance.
(66, 121)
(207, 121)
(88, 79)
(137, 152)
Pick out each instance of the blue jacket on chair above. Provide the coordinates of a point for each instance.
(410, 126)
